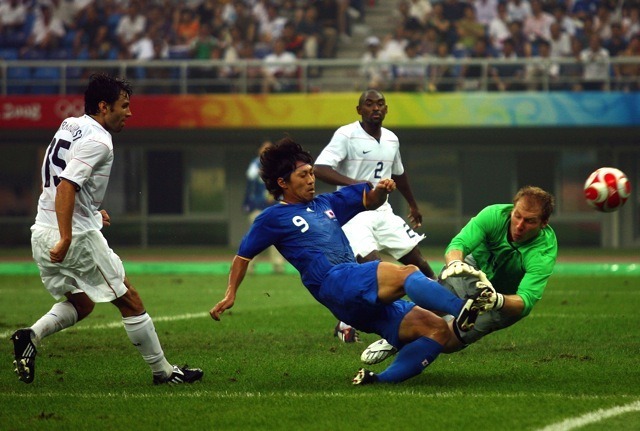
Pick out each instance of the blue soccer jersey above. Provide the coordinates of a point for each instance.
(308, 235)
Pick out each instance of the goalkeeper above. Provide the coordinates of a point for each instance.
(510, 246)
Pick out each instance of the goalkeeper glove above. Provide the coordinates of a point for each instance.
(487, 297)
(457, 268)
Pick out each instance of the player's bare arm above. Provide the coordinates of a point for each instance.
(377, 196)
(402, 182)
(236, 275)
(331, 176)
(65, 201)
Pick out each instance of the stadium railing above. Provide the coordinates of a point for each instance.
(63, 77)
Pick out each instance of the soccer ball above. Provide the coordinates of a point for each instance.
(607, 189)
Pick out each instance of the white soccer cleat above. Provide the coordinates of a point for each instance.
(378, 352)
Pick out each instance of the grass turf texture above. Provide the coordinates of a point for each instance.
(272, 363)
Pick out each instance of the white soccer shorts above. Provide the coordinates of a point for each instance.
(381, 230)
(90, 265)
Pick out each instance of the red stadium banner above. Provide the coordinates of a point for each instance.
(189, 111)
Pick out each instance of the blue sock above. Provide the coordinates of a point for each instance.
(411, 360)
(431, 295)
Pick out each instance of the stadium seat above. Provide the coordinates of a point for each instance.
(8, 54)
(49, 78)
(18, 80)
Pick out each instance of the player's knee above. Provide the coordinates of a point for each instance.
(83, 305)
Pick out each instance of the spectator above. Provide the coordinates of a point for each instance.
(571, 73)
(270, 28)
(312, 32)
(429, 41)
(131, 26)
(328, 17)
(47, 31)
(498, 29)
(582, 9)
(631, 22)
(419, 10)
(542, 73)
(567, 23)
(245, 21)
(596, 65)
(437, 21)
(441, 74)
(293, 42)
(520, 41)
(518, 10)
(13, 15)
(393, 47)
(602, 22)
(469, 30)
(616, 43)
(186, 26)
(486, 11)
(536, 26)
(279, 71)
(627, 74)
(509, 74)
(560, 41)
(472, 75)
(92, 31)
(376, 75)
(410, 75)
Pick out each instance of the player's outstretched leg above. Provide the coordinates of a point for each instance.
(24, 354)
(410, 361)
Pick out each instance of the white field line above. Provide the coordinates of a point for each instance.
(118, 323)
(301, 395)
(592, 417)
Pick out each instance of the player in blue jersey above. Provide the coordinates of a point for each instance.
(307, 231)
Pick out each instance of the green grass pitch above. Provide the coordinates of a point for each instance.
(273, 364)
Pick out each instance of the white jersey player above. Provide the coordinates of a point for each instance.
(74, 259)
(364, 151)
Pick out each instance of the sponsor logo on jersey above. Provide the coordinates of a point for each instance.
(330, 214)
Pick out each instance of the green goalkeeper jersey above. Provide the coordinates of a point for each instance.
(521, 269)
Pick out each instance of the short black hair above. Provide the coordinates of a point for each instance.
(279, 161)
(104, 87)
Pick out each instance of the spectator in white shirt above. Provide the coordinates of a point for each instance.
(596, 66)
(279, 71)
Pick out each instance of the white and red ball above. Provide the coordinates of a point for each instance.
(607, 189)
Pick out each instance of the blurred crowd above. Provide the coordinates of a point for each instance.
(548, 31)
(276, 31)
(279, 32)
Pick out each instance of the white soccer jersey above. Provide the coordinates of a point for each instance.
(82, 152)
(356, 154)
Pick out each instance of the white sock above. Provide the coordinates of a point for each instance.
(62, 315)
(143, 335)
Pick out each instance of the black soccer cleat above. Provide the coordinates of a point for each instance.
(467, 317)
(179, 376)
(25, 355)
(365, 377)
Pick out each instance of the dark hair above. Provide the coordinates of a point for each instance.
(279, 161)
(536, 194)
(104, 88)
